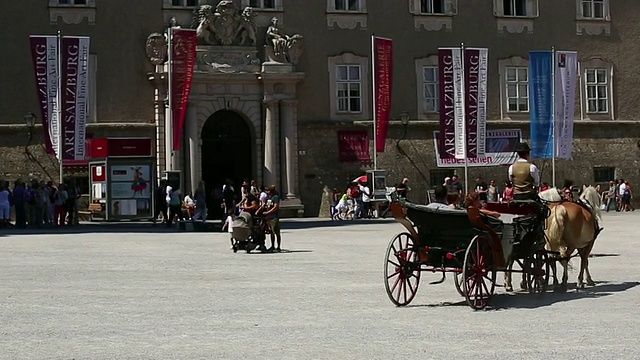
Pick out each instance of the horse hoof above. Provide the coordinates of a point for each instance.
(508, 288)
(591, 283)
(580, 285)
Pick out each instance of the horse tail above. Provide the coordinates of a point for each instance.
(555, 229)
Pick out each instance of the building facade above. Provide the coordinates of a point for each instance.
(274, 116)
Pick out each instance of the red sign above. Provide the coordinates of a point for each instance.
(353, 146)
(383, 70)
(98, 173)
(183, 60)
(121, 147)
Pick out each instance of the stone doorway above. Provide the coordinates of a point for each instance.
(227, 152)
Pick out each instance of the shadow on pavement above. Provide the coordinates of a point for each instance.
(92, 228)
(522, 300)
(290, 224)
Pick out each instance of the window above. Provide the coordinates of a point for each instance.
(349, 88)
(432, 7)
(592, 17)
(602, 174)
(430, 89)
(515, 8)
(184, 3)
(597, 89)
(72, 2)
(517, 89)
(593, 9)
(263, 4)
(514, 88)
(347, 5)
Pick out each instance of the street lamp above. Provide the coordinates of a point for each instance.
(30, 120)
(404, 119)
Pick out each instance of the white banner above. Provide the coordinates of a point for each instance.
(459, 109)
(75, 91)
(483, 72)
(566, 78)
(500, 150)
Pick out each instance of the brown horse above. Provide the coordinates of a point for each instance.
(572, 226)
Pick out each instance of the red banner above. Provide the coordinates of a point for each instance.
(183, 60)
(475, 76)
(383, 78)
(353, 145)
(74, 99)
(44, 53)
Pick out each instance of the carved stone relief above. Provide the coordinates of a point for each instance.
(282, 48)
(515, 26)
(156, 48)
(226, 25)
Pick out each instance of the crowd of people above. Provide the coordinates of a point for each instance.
(354, 202)
(38, 204)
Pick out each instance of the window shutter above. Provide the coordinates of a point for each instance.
(450, 7)
(607, 16)
(532, 8)
(498, 8)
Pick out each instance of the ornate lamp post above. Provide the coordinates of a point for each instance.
(30, 121)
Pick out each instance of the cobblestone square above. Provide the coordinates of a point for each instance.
(145, 293)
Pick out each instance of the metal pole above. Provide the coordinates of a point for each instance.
(553, 115)
(168, 118)
(373, 97)
(464, 120)
(59, 101)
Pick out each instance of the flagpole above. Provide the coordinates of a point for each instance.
(464, 120)
(373, 101)
(59, 110)
(553, 115)
(168, 119)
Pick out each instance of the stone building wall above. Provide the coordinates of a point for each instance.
(596, 144)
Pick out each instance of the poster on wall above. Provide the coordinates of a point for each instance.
(128, 190)
(99, 191)
(132, 173)
(124, 208)
(500, 146)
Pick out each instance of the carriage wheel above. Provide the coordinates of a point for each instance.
(458, 278)
(479, 273)
(538, 272)
(401, 269)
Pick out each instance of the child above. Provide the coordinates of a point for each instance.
(228, 225)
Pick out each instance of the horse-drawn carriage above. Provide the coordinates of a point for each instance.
(469, 244)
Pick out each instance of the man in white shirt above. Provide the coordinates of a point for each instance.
(365, 193)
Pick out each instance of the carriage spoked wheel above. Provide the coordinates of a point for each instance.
(479, 274)
(538, 272)
(402, 269)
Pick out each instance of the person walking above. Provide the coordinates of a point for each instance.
(201, 203)
(273, 217)
(18, 202)
(175, 205)
(161, 205)
(60, 198)
(5, 204)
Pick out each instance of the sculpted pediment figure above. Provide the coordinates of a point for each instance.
(282, 48)
(225, 25)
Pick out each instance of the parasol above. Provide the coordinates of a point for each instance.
(362, 178)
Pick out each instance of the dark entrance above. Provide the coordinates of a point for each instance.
(227, 153)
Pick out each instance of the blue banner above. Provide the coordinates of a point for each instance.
(540, 99)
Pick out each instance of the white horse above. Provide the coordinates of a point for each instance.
(572, 226)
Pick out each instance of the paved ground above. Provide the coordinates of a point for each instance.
(139, 294)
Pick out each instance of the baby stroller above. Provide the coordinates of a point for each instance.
(248, 233)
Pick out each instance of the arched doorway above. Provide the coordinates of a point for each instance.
(227, 153)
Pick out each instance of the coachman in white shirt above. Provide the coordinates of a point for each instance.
(524, 174)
